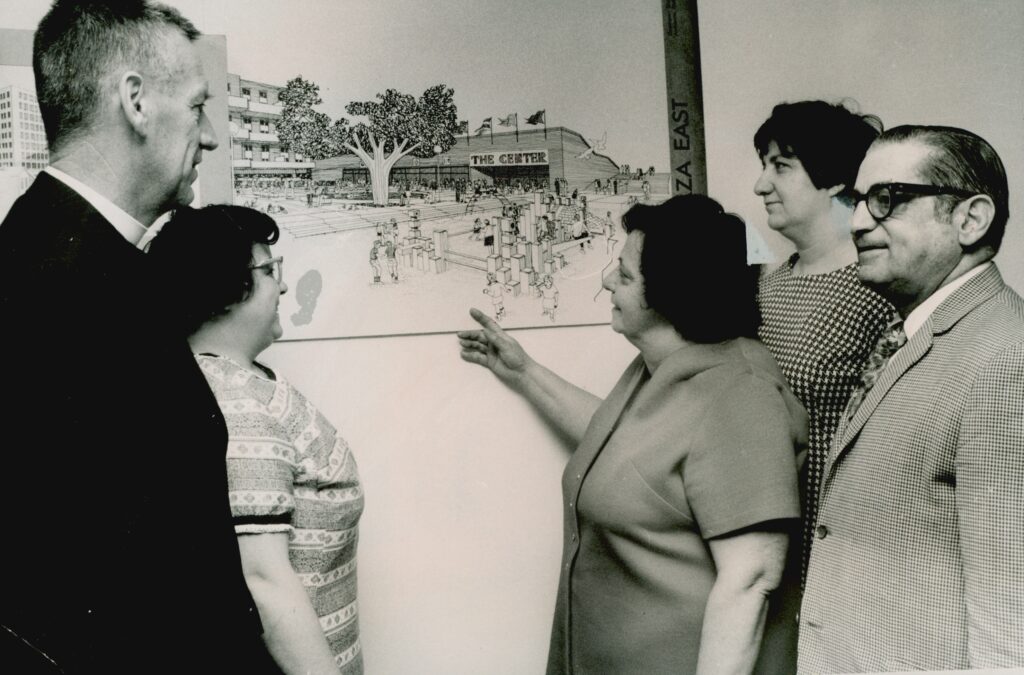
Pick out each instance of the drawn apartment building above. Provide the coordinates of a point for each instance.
(256, 150)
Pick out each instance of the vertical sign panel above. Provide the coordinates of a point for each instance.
(685, 101)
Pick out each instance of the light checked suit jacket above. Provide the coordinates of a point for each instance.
(918, 560)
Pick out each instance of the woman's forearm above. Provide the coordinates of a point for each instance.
(564, 405)
(733, 625)
(291, 629)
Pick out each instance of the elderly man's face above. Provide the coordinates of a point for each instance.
(181, 128)
(907, 255)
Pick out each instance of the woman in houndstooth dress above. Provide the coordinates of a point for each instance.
(818, 320)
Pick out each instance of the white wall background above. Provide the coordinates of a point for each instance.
(461, 537)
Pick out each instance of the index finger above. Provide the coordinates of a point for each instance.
(489, 325)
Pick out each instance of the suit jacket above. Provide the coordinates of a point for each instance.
(120, 553)
(919, 557)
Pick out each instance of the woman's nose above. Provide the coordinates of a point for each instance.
(283, 286)
(763, 186)
(608, 282)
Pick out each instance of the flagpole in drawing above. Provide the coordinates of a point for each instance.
(486, 124)
(539, 117)
(509, 120)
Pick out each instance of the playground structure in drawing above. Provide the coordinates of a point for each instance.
(418, 268)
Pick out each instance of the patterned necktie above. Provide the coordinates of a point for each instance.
(893, 337)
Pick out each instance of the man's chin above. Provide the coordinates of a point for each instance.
(870, 277)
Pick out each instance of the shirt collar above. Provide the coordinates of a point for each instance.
(130, 228)
(920, 314)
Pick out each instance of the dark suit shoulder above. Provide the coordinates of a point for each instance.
(52, 227)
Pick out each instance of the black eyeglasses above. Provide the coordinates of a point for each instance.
(882, 198)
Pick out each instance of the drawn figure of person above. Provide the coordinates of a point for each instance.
(394, 231)
(611, 233)
(375, 260)
(580, 233)
(549, 296)
(497, 292)
(646, 186)
(547, 227)
(477, 226)
(390, 259)
(488, 235)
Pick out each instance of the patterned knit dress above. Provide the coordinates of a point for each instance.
(290, 471)
(820, 328)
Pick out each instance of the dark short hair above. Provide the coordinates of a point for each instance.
(829, 139)
(694, 265)
(203, 259)
(78, 44)
(963, 160)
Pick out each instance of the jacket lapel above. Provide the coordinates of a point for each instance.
(946, 315)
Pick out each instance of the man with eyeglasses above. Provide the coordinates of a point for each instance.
(121, 555)
(919, 556)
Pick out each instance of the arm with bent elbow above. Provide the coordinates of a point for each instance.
(750, 567)
(292, 630)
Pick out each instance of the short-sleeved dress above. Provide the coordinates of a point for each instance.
(820, 328)
(290, 471)
(705, 446)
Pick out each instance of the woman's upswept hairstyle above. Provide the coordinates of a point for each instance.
(694, 264)
(203, 259)
(829, 139)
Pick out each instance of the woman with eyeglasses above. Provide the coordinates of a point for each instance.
(293, 485)
(681, 492)
(818, 320)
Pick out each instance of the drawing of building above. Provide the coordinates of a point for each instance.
(533, 155)
(22, 137)
(256, 151)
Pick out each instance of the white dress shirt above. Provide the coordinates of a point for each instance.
(130, 228)
(920, 314)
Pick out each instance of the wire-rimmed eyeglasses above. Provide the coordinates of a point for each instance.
(274, 266)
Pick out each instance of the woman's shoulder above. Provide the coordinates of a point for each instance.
(230, 380)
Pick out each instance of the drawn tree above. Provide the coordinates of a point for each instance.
(398, 125)
(301, 128)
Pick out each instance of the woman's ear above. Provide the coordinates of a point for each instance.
(836, 189)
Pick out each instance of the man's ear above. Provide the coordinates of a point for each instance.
(972, 218)
(133, 104)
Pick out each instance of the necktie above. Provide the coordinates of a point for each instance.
(892, 338)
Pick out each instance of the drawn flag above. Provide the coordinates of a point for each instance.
(463, 127)
(513, 118)
(536, 118)
(484, 126)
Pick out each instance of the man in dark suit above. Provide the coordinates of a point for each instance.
(120, 555)
(918, 559)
